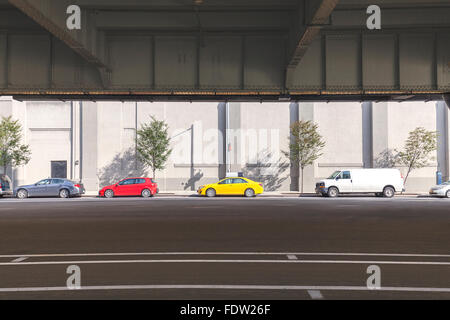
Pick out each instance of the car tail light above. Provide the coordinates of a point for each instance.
(260, 184)
(78, 186)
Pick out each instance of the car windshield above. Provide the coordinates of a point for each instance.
(334, 175)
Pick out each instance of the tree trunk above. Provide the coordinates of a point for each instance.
(154, 174)
(301, 181)
(406, 178)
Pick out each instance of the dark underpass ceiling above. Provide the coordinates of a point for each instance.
(225, 50)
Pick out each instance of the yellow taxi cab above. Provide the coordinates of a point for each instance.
(232, 186)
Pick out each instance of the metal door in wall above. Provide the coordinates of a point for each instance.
(59, 169)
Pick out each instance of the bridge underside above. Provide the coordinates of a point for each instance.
(225, 50)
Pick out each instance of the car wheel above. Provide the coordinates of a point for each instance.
(333, 192)
(22, 194)
(447, 194)
(210, 193)
(64, 193)
(146, 193)
(388, 192)
(249, 193)
(109, 193)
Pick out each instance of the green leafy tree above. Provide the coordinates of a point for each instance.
(305, 145)
(12, 152)
(153, 145)
(418, 147)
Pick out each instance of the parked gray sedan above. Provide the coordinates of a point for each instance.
(442, 190)
(62, 188)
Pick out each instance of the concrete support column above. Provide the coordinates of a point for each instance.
(6, 110)
(222, 140)
(447, 99)
(233, 137)
(306, 113)
(380, 133)
(88, 145)
(295, 172)
(75, 140)
(18, 111)
(442, 120)
(367, 134)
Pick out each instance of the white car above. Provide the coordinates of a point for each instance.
(382, 182)
(442, 190)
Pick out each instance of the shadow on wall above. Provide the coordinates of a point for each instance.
(386, 159)
(124, 165)
(267, 172)
(190, 184)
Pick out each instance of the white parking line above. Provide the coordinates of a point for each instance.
(337, 254)
(292, 257)
(229, 287)
(315, 294)
(227, 261)
(20, 259)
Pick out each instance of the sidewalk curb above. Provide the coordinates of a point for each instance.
(268, 195)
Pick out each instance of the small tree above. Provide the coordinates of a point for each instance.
(304, 145)
(12, 152)
(153, 143)
(418, 146)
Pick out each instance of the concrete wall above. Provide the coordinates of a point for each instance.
(341, 126)
(193, 128)
(264, 138)
(98, 140)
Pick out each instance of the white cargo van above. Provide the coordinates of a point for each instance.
(382, 182)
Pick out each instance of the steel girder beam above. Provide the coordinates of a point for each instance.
(307, 33)
(52, 15)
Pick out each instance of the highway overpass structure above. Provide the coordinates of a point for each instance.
(225, 50)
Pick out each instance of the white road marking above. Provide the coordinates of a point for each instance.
(20, 259)
(315, 294)
(226, 261)
(350, 254)
(194, 197)
(292, 257)
(228, 287)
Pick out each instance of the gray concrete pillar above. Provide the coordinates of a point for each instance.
(16, 109)
(6, 110)
(447, 99)
(306, 113)
(442, 119)
(367, 134)
(233, 137)
(222, 142)
(88, 145)
(380, 134)
(294, 169)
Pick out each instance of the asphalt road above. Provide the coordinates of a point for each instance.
(225, 248)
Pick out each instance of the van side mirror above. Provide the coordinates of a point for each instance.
(338, 178)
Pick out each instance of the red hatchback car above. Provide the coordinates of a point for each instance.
(144, 187)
